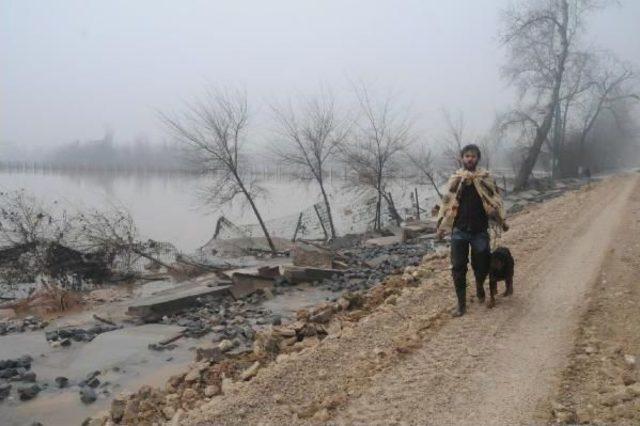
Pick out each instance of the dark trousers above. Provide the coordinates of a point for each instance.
(480, 259)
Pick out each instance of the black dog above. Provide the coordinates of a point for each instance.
(501, 268)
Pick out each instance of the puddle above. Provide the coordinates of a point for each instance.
(122, 355)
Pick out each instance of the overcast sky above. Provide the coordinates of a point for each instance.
(70, 69)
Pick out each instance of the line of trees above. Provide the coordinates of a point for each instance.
(371, 139)
(565, 88)
(569, 96)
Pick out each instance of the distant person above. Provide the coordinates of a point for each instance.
(471, 202)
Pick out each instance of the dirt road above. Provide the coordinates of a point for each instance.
(410, 363)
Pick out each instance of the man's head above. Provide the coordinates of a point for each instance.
(470, 156)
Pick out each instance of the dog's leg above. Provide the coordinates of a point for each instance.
(509, 290)
(493, 289)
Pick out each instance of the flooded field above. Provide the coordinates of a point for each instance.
(167, 207)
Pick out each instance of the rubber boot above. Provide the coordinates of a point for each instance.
(461, 290)
(480, 290)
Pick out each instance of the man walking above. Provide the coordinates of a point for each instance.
(471, 203)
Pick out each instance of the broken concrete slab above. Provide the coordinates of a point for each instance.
(296, 274)
(304, 254)
(414, 230)
(174, 300)
(383, 241)
(246, 284)
(269, 271)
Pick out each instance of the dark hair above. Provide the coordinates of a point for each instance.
(471, 147)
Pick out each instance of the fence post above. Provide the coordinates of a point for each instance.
(324, 230)
(415, 190)
(295, 234)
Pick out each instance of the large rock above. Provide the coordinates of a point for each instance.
(28, 392)
(88, 395)
(251, 371)
(175, 299)
(246, 284)
(296, 274)
(5, 390)
(414, 230)
(307, 255)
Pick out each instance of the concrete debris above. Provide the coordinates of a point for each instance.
(174, 300)
(305, 254)
(247, 284)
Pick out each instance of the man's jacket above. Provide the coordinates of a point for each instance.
(486, 188)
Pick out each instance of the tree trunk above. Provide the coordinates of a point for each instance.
(378, 224)
(255, 212)
(328, 207)
(392, 208)
(543, 131)
(557, 129)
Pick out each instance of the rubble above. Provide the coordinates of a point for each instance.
(20, 325)
(28, 392)
(174, 300)
(247, 284)
(64, 336)
(17, 369)
(88, 395)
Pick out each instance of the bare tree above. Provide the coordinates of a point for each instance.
(540, 36)
(113, 233)
(311, 134)
(381, 133)
(454, 139)
(421, 159)
(213, 130)
(609, 86)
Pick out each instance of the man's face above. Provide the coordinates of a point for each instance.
(470, 160)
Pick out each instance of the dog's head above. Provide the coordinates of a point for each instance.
(499, 258)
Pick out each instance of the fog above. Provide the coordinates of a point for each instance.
(71, 70)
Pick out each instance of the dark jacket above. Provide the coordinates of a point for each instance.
(471, 215)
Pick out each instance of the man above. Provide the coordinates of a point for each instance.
(471, 202)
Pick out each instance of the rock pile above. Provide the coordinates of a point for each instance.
(16, 325)
(17, 369)
(369, 265)
(64, 336)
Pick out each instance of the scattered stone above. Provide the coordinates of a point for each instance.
(209, 354)
(633, 390)
(5, 390)
(251, 371)
(118, 407)
(168, 412)
(630, 360)
(226, 345)
(212, 390)
(28, 377)
(28, 392)
(88, 395)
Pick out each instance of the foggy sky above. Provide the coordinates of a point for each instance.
(71, 69)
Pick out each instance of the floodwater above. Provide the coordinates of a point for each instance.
(167, 207)
(122, 355)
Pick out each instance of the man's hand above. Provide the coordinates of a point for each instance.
(440, 234)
